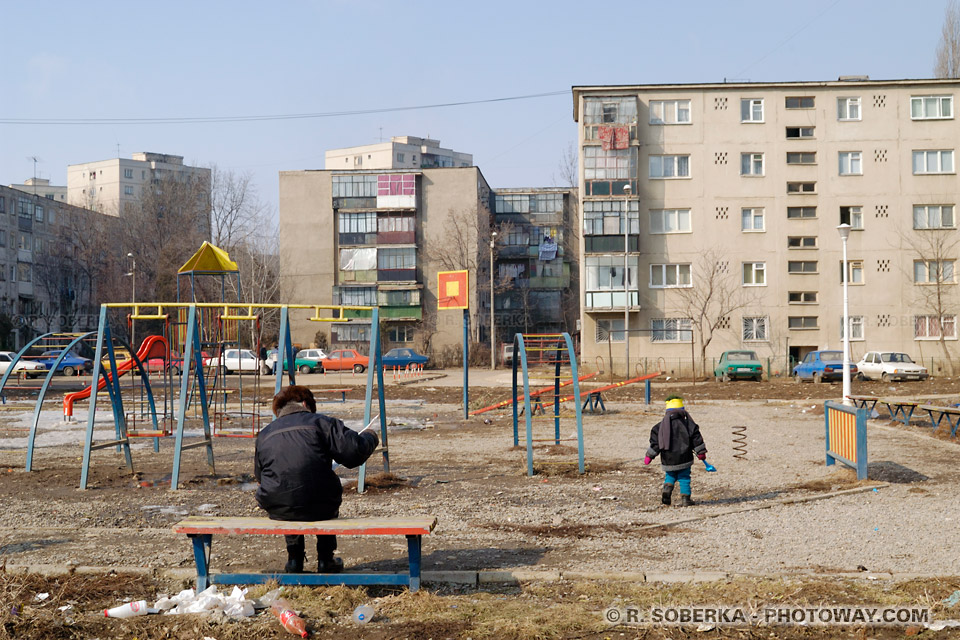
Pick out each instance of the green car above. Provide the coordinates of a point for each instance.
(738, 364)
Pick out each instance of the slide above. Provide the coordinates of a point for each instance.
(152, 347)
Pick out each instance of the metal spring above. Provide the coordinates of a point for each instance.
(740, 442)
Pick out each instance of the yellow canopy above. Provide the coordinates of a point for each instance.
(209, 259)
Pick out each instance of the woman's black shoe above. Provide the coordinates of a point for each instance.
(333, 565)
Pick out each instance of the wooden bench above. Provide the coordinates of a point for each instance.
(342, 392)
(201, 529)
(937, 414)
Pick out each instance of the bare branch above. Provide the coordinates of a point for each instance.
(948, 49)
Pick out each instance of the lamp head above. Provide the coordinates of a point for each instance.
(844, 230)
(129, 255)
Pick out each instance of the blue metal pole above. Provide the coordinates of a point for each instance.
(516, 412)
(576, 402)
(466, 368)
(373, 362)
(527, 413)
(88, 439)
(646, 391)
(556, 395)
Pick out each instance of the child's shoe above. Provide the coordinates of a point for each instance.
(667, 492)
(686, 500)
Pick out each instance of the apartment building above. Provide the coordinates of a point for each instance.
(736, 191)
(402, 152)
(42, 187)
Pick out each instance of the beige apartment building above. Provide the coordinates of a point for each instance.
(42, 187)
(402, 152)
(738, 188)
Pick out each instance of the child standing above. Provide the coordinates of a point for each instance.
(676, 439)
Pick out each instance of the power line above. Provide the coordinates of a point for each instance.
(264, 118)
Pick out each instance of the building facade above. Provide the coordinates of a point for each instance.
(42, 187)
(736, 192)
(402, 152)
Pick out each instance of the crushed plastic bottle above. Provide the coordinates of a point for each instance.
(288, 617)
(128, 610)
(363, 614)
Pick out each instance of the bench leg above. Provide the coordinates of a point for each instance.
(201, 555)
(413, 550)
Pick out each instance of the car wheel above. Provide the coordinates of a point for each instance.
(726, 377)
(796, 378)
(861, 377)
(358, 368)
(69, 371)
(305, 368)
(758, 377)
(816, 377)
(227, 372)
(175, 370)
(885, 377)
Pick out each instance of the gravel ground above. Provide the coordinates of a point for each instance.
(491, 515)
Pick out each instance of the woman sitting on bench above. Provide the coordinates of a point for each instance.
(293, 464)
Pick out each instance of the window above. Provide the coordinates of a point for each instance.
(669, 112)
(610, 329)
(355, 186)
(803, 102)
(933, 271)
(128, 174)
(801, 157)
(855, 269)
(852, 216)
(751, 219)
(24, 242)
(797, 213)
(933, 216)
(358, 259)
(851, 163)
(754, 329)
(669, 166)
(801, 187)
(24, 272)
(670, 221)
(932, 327)
(798, 133)
(400, 156)
(358, 296)
(604, 286)
(933, 161)
(51, 217)
(38, 213)
(399, 298)
(23, 208)
(666, 276)
(931, 107)
(671, 330)
(38, 245)
(802, 266)
(3, 205)
(350, 332)
(751, 110)
(127, 190)
(754, 274)
(802, 242)
(358, 222)
(848, 108)
(3, 239)
(802, 297)
(608, 164)
(856, 327)
(609, 110)
(387, 224)
(751, 164)
(400, 333)
(605, 217)
(529, 203)
(802, 322)
(404, 258)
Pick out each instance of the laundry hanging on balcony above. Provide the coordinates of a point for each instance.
(614, 137)
(548, 249)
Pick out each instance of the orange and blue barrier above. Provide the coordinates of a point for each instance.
(846, 431)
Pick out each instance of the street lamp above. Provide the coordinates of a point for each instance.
(133, 298)
(844, 231)
(626, 272)
(493, 328)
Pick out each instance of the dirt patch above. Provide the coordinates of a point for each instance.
(578, 530)
(380, 483)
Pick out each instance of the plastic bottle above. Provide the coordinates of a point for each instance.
(129, 610)
(288, 617)
(363, 614)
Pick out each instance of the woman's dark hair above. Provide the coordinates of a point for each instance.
(294, 393)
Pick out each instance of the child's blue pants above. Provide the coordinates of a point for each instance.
(680, 475)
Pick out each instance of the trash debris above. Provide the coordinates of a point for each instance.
(66, 608)
(288, 617)
(40, 597)
(939, 625)
(953, 600)
(487, 421)
(128, 610)
(363, 614)
(608, 497)
(234, 605)
(706, 627)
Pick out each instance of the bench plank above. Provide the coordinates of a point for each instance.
(254, 525)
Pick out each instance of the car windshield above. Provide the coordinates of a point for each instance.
(831, 356)
(741, 356)
(895, 357)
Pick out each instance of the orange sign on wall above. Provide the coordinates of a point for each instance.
(453, 289)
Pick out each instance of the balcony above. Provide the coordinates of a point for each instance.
(402, 313)
(25, 223)
(609, 300)
(25, 288)
(346, 239)
(609, 244)
(396, 275)
(368, 275)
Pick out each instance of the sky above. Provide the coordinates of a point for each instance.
(213, 59)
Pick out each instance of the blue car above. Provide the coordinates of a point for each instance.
(822, 365)
(69, 366)
(402, 357)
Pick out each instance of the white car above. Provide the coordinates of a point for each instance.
(30, 368)
(236, 360)
(889, 365)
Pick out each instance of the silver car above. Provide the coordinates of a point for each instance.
(888, 366)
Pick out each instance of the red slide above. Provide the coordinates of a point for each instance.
(152, 347)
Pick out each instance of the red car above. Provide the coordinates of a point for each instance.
(157, 365)
(344, 359)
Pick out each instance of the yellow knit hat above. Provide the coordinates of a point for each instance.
(675, 403)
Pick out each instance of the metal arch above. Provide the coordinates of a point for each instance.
(20, 354)
(519, 347)
(575, 374)
(375, 362)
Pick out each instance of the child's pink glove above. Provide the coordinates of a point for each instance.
(647, 460)
(702, 456)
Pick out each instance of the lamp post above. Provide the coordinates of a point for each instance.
(493, 328)
(844, 231)
(133, 298)
(626, 273)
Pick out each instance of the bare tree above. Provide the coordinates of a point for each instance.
(236, 212)
(948, 49)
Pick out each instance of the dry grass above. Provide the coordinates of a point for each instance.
(380, 483)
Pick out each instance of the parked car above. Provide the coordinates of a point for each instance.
(120, 354)
(738, 364)
(69, 366)
(158, 365)
(889, 365)
(308, 360)
(30, 368)
(401, 357)
(344, 359)
(236, 360)
(822, 365)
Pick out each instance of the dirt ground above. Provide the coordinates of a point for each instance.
(491, 515)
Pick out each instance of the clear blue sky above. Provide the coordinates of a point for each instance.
(208, 58)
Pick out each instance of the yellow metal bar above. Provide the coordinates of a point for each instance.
(220, 305)
(238, 317)
(143, 316)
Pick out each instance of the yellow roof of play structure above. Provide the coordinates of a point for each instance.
(209, 259)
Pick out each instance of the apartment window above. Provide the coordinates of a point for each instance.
(23, 207)
(400, 333)
(802, 242)
(855, 272)
(38, 245)
(802, 266)
(801, 187)
(393, 224)
(24, 272)
(754, 329)
(798, 133)
(933, 327)
(800, 102)
(24, 243)
(933, 216)
(358, 222)
(3, 238)
(400, 157)
(851, 163)
(931, 107)
(671, 330)
(667, 276)
(355, 186)
(797, 213)
(933, 271)
(3, 205)
(405, 258)
(754, 274)
(852, 216)
(669, 112)
(399, 298)
(51, 217)
(143, 175)
(128, 174)
(603, 282)
(38, 213)
(802, 297)
(751, 164)
(669, 166)
(358, 296)
(848, 108)
(605, 217)
(610, 329)
(351, 332)
(127, 190)
(358, 259)
(801, 157)
(751, 219)
(856, 327)
(608, 164)
(670, 221)
(802, 322)
(358, 161)
(933, 161)
(607, 111)
(751, 110)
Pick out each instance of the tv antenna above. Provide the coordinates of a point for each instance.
(35, 160)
